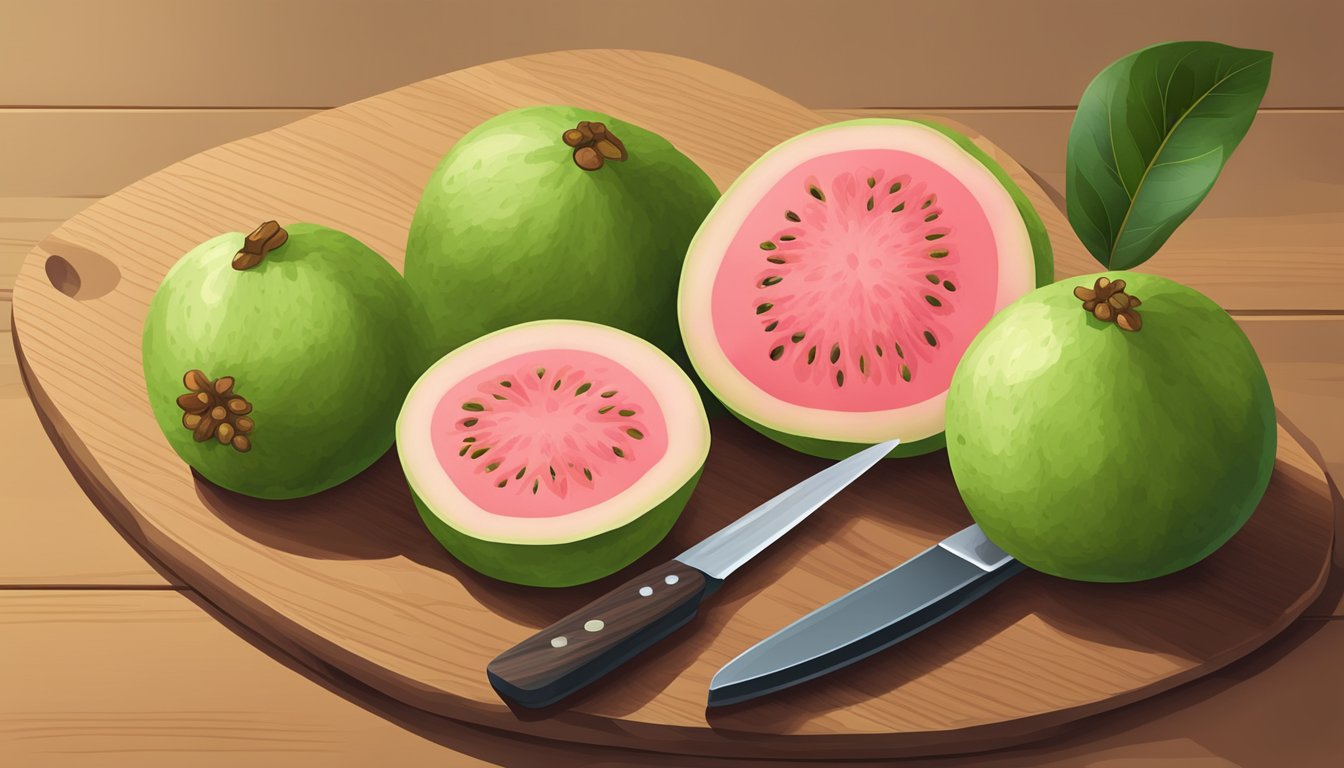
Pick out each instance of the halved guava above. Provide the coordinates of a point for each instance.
(830, 293)
(552, 453)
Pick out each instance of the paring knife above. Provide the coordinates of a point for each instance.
(912, 596)
(598, 638)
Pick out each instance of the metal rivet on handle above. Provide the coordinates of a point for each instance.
(559, 642)
(671, 579)
(594, 625)
(645, 591)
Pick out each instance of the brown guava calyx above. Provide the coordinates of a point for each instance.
(1107, 301)
(265, 238)
(594, 145)
(213, 409)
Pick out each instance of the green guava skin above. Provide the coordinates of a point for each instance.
(1044, 263)
(323, 339)
(562, 565)
(1093, 453)
(509, 229)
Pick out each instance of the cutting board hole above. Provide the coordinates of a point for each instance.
(80, 273)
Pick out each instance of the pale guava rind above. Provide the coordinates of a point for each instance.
(1093, 453)
(321, 338)
(509, 230)
(562, 565)
(1043, 262)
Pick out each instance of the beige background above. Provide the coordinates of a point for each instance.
(106, 661)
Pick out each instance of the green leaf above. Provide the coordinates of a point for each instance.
(1151, 135)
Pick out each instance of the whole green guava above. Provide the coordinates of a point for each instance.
(556, 212)
(276, 362)
(1112, 427)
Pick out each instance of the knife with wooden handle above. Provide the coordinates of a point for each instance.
(599, 637)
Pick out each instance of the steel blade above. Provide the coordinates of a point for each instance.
(916, 594)
(723, 552)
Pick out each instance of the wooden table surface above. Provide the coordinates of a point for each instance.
(105, 660)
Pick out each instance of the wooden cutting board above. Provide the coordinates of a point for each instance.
(350, 582)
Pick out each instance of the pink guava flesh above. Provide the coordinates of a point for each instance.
(547, 433)
(857, 282)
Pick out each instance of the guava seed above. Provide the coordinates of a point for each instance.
(193, 403)
(195, 381)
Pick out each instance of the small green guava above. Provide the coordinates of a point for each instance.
(1113, 427)
(276, 362)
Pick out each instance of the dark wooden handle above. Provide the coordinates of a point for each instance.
(592, 641)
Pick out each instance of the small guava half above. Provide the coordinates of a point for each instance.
(1111, 427)
(552, 453)
(276, 362)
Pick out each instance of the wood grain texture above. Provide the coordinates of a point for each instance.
(95, 152)
(53, 534)
(165, 685)
(1269, 236)
(24, 221)
(349, 578)
(842, 52)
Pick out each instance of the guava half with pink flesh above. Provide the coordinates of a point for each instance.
(552, 453)
(830, 293)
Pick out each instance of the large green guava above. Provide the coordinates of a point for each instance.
(556, 212)
(276, 363)
(1098, 438)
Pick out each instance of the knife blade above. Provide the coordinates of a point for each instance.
(911, 597)
(596, 639)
